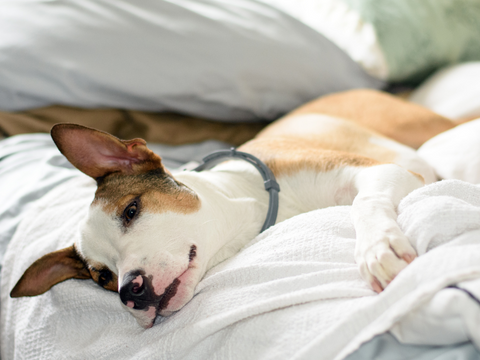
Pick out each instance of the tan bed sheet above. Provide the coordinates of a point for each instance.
(166, 128)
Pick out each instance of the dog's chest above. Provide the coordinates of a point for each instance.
(307, 190)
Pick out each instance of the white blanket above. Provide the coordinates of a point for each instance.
(293, 293)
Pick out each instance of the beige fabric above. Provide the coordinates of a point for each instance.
(167, 128)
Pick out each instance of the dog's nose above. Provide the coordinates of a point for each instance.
(136, 290)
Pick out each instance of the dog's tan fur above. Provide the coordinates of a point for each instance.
(287, 156)
(158, 194)
(395, 118)
(345, 136)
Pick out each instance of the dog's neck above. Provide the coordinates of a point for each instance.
(235, 204)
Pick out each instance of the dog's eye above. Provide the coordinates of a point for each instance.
(105, 277)
(130, 211)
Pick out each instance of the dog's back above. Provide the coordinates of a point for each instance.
(385, 114)
(363, 123)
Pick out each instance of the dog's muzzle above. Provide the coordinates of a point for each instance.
(142, 295)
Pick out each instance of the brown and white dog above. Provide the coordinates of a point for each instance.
(151, 236)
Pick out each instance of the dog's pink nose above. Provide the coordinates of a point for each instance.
(137, 291)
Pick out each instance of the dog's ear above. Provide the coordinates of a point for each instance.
(97, 153)
(49, 270)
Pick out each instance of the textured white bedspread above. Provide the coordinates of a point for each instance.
(293, 293)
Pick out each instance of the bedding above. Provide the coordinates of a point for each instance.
(386, 347)
(396, 40)
(164, 128)
(455, 154)
(220, 59)
(294, 292)
(451, 92)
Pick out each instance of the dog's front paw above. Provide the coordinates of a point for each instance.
(380, 258)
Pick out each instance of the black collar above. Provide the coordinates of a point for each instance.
(269, 181)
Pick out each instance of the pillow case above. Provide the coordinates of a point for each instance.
(221, 59)
(451, 92)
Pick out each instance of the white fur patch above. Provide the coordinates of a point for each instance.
(407, 158)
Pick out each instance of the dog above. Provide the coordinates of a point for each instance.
(151, 235)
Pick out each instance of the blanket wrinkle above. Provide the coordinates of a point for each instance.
(432, 216)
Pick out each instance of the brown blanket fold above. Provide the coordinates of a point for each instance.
(166, 128)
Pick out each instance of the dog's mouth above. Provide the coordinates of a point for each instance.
(163, 300)
(139, 294)
(169, 293)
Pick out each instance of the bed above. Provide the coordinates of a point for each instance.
(293, 292)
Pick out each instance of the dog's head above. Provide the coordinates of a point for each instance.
(141, 237)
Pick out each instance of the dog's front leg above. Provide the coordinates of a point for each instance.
(382, 250)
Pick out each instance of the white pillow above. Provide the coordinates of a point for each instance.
(455, 154)
(221, 59)
(453, 91)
